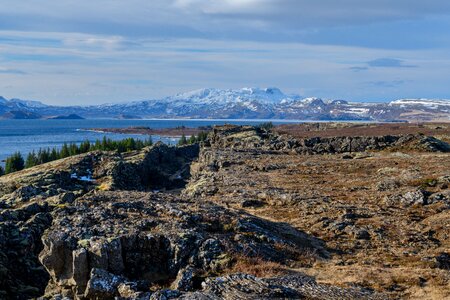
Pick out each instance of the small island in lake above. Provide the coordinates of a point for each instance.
(68, 117)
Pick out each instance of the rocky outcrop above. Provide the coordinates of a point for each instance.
(21, 274)
(232, 147)
(158, 167)
(241, 286)
(179, 222)
(30, 199)
(247, 137)
(105, 239)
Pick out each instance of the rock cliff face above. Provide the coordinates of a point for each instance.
(168, 222)
(248, 137)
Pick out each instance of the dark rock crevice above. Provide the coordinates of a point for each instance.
(22, 275)
(159, 167)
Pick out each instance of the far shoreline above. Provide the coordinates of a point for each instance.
(175, 132)
(213, 120)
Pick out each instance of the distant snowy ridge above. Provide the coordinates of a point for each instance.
(209, 96)
(432, 103)
(244, 103)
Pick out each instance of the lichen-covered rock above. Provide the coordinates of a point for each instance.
(247, 137)
(148, 238)
(242, 286)
(21, 274)
(415, 197)
(102, 285)
(185, 279)
(102, 230)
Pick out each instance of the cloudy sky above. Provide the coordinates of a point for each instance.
(84, 52)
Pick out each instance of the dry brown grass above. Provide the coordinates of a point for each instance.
(305, 257)
(256, 266)
(404, 283)
(325, 189)
(307, 130)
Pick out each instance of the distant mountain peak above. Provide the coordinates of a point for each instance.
(232, 96)
(244, 103)
(28, 103)
(313, 100)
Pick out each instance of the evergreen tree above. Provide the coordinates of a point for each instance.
(73, 149)
(192, 139)
(31, 160)
(202, 136)
(54, 155)
(97, 145)
(182, 141)
(43, 156)
(2, 171)
(85, 147)
(149, 141)
(47, 155)
(121, 147)
(104, 144)
(65, 152)
(14, 163)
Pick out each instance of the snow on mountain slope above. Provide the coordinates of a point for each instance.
(28, 103)
(429, 103)
(218, 96)
(18, 103)
(245, 103)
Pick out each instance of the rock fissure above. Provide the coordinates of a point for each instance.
(177, 222)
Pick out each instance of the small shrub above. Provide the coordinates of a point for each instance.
(265, 126)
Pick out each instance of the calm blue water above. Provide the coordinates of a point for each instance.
(28, 135)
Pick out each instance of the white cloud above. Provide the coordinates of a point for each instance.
(93, 51)
(197, 17)
(224, 6)
(107, 43)
(90, 71)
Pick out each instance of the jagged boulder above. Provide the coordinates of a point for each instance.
(410, 198)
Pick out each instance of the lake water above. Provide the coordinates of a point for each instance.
(28, 135)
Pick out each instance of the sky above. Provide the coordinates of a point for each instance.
(69, 52)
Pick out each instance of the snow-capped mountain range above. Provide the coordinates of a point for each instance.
(246, 103)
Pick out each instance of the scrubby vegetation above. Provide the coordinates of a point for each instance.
(16, 161)
(265, 125)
